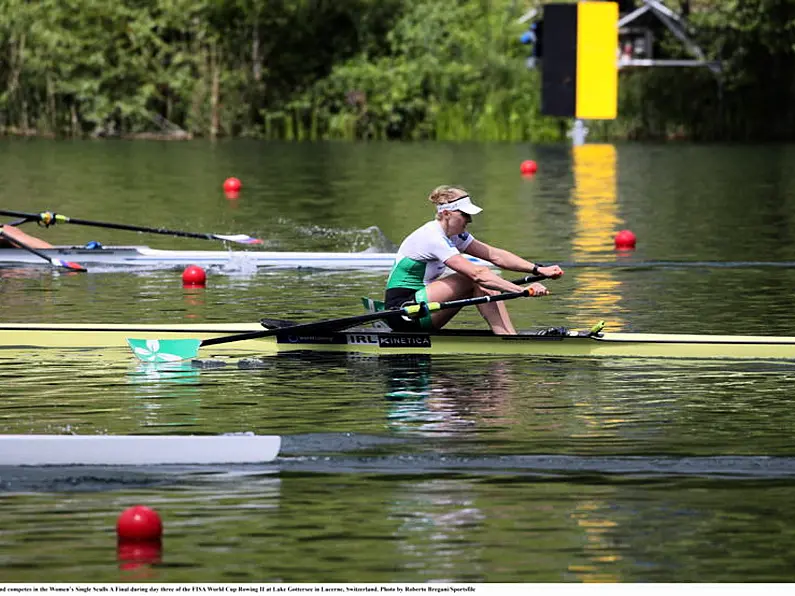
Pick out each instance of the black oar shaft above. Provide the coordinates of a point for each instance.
(305, 328)
(130, 228)
(21, 214)
(57, 218)
(49, 218)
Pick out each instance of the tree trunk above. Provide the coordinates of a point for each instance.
(215, 91)
(51, 107)
(256, 60)
(16, 60)
(75, 123)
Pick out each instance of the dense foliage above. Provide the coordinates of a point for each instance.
(398, 69)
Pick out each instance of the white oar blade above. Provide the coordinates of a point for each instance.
(239, 238)
(164, 350)
(132, 450)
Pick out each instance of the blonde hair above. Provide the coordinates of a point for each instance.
(444, 194)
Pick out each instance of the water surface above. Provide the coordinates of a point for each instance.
(410, 469)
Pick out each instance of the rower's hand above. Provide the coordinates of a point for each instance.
(537, 289)
(551, 271)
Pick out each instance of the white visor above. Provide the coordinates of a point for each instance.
(464, 204)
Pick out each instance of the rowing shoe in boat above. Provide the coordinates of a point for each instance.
(132, 450)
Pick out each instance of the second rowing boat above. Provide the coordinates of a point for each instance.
(143, 256)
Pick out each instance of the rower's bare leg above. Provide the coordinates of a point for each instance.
(452, 287)
(457, 287)
(495, 313)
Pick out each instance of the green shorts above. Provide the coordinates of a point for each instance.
(425, 320)
(399, 297)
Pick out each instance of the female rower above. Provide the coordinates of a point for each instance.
(424, 254)
(9, 233)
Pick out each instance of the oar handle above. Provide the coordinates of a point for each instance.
(529, 279)
(423, 307)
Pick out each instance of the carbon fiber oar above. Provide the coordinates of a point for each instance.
(48, 218)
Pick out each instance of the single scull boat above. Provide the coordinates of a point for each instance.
(113, 337)
(143, 256)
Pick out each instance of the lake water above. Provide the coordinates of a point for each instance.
(407, 469)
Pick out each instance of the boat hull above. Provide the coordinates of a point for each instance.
(143, 256)
(131, 450)
(113, 338)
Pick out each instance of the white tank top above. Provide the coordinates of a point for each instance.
(421, 256)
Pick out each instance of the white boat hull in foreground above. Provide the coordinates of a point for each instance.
(132, 450)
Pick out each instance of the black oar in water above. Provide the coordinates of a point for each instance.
(71, 266)
(170, 350)
(48, 218)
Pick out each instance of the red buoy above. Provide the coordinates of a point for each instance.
(528, 167)
(232, 185)
(625, 240)
(139, 524)
(194, 276)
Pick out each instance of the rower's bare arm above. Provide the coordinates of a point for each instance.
(486, 278)
(13, 233)
(505, 259)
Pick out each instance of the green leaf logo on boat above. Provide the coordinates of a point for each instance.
(164, 350)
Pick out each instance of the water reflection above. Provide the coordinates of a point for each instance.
(138, 558)
(597, 294)
(600, 548)
(439, 401)
(166, 395)
(438, 518)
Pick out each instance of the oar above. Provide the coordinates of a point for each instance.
(48, 218)
(378, 305)
(170, 350)
(54, 262)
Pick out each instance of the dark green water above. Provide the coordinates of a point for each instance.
(462, 469)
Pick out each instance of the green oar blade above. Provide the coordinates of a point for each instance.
(164, 350)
